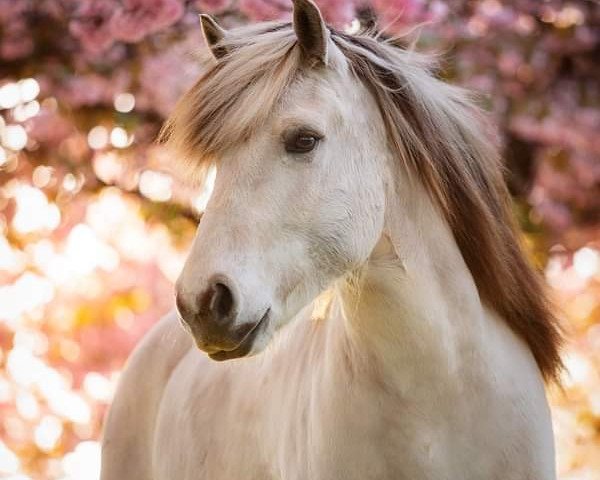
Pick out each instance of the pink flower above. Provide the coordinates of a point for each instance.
(555, 215)
(92, 89)
(212, 6)
(265, 9)
(11, 10)
(397, 14)
(338, 12)
(16, 42)
(92, 24)
(164, 77)
(86, 90)
(138, 18)
(49, 127)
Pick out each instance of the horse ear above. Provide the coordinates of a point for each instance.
(213, 35)
(310, 29)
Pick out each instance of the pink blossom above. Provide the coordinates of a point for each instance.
(11, 10)
(555, 215)
(212, 6)
(586, 169)
(92, 89)
(438, 10)
(509, 62)
(16, 43)
(397, 14)
(87, 90)
(138, 18)
(338, 13)
(49, 127)
(164, 77)
(265, 9)
(92, 24)
(113, 56)
(55, 9)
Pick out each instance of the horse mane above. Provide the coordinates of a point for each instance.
(436, 130)
(235, 95)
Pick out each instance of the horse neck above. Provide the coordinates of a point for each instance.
(414, 305)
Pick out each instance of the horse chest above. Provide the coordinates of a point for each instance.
(354, 441)
(374, 435)
(300, 423)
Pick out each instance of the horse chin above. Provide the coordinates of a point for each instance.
(246, 347)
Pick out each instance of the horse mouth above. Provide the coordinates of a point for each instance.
(245, 345)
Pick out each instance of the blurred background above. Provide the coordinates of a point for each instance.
(94, 224)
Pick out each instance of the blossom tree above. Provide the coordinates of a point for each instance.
(95, 223)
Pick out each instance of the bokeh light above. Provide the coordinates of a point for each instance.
(124, 102)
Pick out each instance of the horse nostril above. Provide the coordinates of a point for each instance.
(221, 302)
(182, 308)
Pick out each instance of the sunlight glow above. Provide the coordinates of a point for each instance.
(9, 462)
(71, 406)
(85, 251)
(24, 367)
(34, 212)
(119, 138)
(13, 94)
(69, 182)
(577, 371)
(10, 95)
(124, 102)
(42, 175)
(31, 339)
(26, 111)
(107, 166)
(6, 391)
(11, 260)
(156, 185)
(27, 406)
(98, 387)
(586, 262)
(48, 433)
(82, 253)
(98, 137)
(14, 137)
(83, 463)
(29, 89)
(28, 293)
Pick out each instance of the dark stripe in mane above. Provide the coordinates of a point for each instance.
(463, 173)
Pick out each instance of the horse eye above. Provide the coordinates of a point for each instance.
(301, 142)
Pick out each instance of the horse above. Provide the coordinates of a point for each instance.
(357, 283)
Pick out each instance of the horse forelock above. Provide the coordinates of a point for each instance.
(235, 95)
(434, 129)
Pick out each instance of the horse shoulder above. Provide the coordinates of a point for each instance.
(129, 427)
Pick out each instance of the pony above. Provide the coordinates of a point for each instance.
(356, 283)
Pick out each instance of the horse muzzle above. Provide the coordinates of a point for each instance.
(216, 322)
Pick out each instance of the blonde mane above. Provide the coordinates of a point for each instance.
(436, 130)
